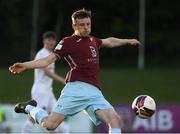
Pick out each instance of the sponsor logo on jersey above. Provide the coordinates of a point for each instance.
(59, 46)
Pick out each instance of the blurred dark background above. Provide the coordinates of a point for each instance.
(118, 18)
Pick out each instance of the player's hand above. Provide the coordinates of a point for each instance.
(17, 68)
(134, 42)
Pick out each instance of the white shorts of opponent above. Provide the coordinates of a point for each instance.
(46, 100)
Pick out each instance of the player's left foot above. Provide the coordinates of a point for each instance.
(20, 107)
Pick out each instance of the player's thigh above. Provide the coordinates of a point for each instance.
(108, 116)
(53, 121)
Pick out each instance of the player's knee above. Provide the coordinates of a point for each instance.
(49, 125)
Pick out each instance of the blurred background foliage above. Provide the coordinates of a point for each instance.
(117, 18)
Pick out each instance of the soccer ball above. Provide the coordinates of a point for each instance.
(144, 106)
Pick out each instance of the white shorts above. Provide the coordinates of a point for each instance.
(45, 99)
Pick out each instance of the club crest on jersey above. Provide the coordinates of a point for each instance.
(93, 51)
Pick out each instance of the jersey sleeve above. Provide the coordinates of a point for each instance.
(61, 49)
(98, 42)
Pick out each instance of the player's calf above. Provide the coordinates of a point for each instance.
(52, 121)
(111, 118)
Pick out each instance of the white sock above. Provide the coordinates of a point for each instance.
(29, 108)
(38, 114)
(114, 131)
(27, 127)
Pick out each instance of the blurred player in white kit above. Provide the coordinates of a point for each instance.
(42, 86)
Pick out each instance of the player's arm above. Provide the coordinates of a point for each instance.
(115, 42)
(54, 76)
(41, 63)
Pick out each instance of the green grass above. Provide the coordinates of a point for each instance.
(119, 85)
(122, 85)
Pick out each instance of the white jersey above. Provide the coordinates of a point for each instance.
(43, 94)
(42, 82)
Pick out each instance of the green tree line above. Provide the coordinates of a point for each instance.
(117, 18)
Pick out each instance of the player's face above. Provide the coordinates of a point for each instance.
(49, 43)
(82, 27)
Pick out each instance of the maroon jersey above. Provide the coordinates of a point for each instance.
(82, 55)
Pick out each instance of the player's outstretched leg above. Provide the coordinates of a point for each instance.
(29, 107)
(20, 107)
(110, 117)
(39, 115)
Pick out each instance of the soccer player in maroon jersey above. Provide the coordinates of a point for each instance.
(82, 91)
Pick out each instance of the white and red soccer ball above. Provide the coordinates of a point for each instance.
(144, 106)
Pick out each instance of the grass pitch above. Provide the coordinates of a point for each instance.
(119, 85)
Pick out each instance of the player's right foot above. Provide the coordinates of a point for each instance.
(20, 107)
